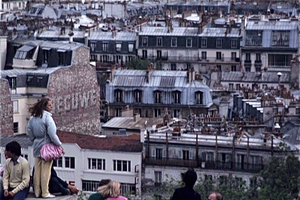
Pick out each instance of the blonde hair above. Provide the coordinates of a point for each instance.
(112, 189)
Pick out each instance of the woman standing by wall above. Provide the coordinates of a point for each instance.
(42, 130)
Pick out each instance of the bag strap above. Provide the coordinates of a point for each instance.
(46, 130)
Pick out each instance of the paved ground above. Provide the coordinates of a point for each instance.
(68, 197)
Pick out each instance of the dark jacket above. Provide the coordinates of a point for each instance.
(186, 194)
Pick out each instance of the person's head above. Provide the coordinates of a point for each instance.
(5, 154)
(104, 182)
(13, 149)
(215, 196)
(112, 189)
(190, 178)
(37, 109)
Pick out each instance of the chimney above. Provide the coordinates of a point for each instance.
(201, 27)
(114, 33)
(71, 34)
(149, 73)
(136, 117)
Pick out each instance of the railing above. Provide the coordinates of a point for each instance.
(219, 165)
(194, 58)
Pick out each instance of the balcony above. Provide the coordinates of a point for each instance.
(195, 58)
(258, 63)
(219, 165)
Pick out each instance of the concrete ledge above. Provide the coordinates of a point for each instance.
(67, 197)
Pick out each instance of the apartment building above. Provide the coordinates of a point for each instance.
(155, 93)
(57, 70)
(88, 159)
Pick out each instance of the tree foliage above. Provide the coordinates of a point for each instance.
(279, 180)
(138, 63)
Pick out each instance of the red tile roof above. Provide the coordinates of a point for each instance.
(130, 143)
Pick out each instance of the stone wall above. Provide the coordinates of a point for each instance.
(6, 109)
(75, 94)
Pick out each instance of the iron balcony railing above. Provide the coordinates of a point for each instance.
(219, 165)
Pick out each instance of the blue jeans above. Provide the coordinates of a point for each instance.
(21, 195)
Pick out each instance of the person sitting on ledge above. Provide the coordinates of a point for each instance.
(16, 177)
(57, 185)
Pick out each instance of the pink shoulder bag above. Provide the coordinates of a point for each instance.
(50, 151)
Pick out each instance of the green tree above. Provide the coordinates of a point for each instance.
(279, 179)
(138, 63)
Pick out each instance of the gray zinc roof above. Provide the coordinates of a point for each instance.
(23, 140)
(163, 31)
(57, 34)
(266, 77)
(272, 25)
(120, 36)
(219, 32)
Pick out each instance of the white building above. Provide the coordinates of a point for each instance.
(89, 159)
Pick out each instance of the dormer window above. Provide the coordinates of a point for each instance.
(138, 96)
(177, 97)
(118, 96)
(145, 41)
(93, 46)
(61, 57)
(199, 97)
(157, 96)
(118, 47)
(46, 55)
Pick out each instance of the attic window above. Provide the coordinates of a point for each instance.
(21, 55)
(93, 46)
(118, 47)
(130, 47)
(29, 78)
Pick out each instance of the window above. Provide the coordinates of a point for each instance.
(158, 54)
(156, 113)
(122, 165)
(297, 111)
(118, 47)
(199, 97)
(96, 163)
(16, 105)
(174, 42)
(247, 69)
(185, 155)
(12, 82)
(46, 54)
(257, 69)
(219, 43)
(144, 41)
(130, 47)
(173, 66)
(93, 57)
(177, 97)
(218, 55)
(91, 186)
(58, 162)
(258, 57)
(127, 188)
(176, 113)
(230, 86)
(159, 41)
(70, 162)
(118, 95)
(233, 43)
(157, 178)
(16, 127)
(203, 43)
(248, 58)
(233, 56)
(189, 42)
(204, 55)
(233, 68)
(93, 46)
(118, 112)
(237, 86)
(158, 153)
(61, 58)
(157, 97)
(144, 54)
(138, 96)
(105, 47)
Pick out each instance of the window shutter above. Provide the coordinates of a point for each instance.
(180, 154)
(164, 153)
(191, 155)
(153, 153)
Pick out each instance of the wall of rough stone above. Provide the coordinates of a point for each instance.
(75, 94)
(6, 109)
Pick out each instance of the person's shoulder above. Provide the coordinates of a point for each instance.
(96, 196)
(117, 198)
(24, 161)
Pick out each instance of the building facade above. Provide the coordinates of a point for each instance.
(57, 70)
